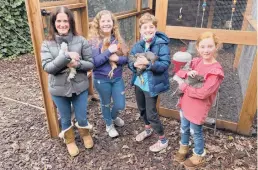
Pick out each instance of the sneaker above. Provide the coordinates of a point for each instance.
(119, 122)
(112, 131)
(144, 134)
(158, 146)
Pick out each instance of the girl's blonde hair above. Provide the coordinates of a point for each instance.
(96, 33)
(147, 17)
(208, 35)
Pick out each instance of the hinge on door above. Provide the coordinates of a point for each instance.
(45, 12)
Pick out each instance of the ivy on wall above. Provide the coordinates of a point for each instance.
(15, 36)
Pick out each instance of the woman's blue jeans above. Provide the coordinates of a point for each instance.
(79, 103)
(110, 88)
(195, 130)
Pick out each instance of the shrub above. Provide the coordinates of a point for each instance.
(14, 30)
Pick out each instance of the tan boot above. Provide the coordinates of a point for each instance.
(195, 161)
(69, 139)
(85, 135)
(181, 153)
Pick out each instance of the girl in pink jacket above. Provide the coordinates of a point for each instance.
(196, 102)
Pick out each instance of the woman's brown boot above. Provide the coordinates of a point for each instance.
(69, 139)
(85, 135)
(181, 153)
(195, 161)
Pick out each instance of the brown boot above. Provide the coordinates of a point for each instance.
(195, 161)
(69, 139)
(85, 135)
(181, 153)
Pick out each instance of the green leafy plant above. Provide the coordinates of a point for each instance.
(15, 36)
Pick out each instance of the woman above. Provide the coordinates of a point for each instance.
(65, 53)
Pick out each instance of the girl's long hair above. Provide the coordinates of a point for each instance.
(52, 28)
(96, 34)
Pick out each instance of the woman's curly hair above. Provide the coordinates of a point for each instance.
(95, 33)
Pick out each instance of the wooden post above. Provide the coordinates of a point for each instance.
(249, 105)
(150, 4)
(137, 27)
(161, 15)
(244, 27)
(161, 11)
(37, 34)
(85, 33)
(78, 21)
(85, 19)
(211, 13)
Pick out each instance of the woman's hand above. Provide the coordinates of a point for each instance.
(73, 63)
(192, 73)
(74, 56)
(114, 58)
(113, 48)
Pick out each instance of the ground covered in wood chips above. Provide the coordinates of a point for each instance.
(25, 143)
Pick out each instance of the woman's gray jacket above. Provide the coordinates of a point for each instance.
(55, 64)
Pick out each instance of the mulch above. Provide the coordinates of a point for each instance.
(25, 142)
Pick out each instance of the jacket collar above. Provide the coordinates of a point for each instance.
(142, 42)
(64, 38)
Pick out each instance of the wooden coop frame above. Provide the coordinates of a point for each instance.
(37, 24)
(241, 37)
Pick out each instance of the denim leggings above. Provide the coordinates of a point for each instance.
(195, 130)
(110, 88)
(79, 103)
(147, 107)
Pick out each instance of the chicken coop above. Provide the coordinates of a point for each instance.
(234, 22)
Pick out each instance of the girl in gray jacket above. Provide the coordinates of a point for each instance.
(66, 57)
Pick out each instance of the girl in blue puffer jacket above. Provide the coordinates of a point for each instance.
(153, 81)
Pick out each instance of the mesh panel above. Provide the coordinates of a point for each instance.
(126, 25)
(94, 6)
(145, 3)
(218, 13)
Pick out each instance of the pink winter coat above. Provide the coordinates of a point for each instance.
(196, 102)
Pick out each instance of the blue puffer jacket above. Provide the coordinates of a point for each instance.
(158, 78)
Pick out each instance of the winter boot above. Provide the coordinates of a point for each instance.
(195, 161)
(69, 139)
(85, 135)
(181, 153)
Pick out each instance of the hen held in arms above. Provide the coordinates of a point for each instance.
(150, 56)
(123, 50)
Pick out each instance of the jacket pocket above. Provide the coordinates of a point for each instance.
(59, 79)
(159, 87)
(79, 77)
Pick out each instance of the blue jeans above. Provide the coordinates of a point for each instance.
(79, 103)
(196, 131)
(107, 89)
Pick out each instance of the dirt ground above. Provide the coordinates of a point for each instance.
(25, 143)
